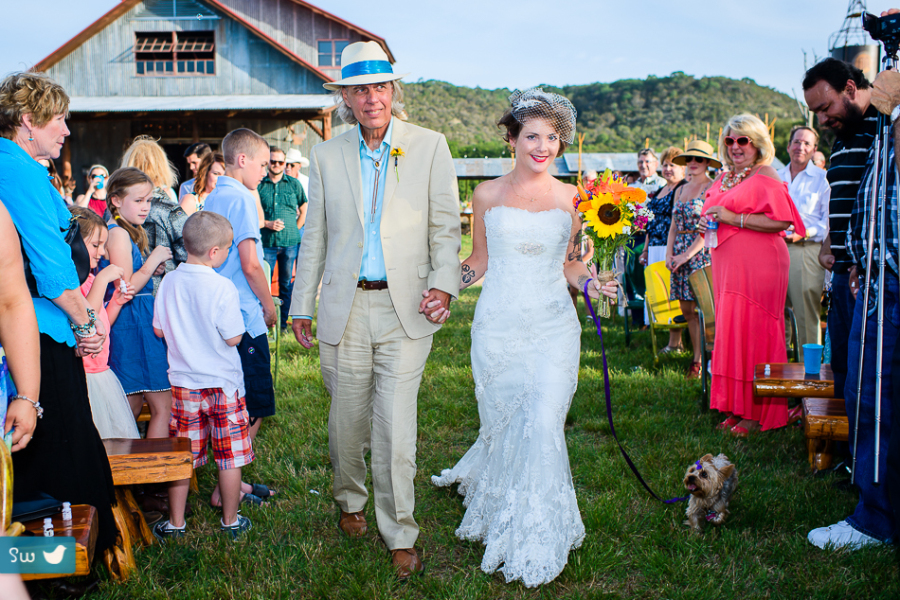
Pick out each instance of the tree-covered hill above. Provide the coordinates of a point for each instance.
(615, 117)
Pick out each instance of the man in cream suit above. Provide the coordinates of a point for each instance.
(382, 237)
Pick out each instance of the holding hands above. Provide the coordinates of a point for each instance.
(435, 305)
(91, 345)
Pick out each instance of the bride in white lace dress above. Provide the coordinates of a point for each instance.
(515, 479)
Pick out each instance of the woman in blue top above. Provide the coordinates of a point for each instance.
(66, 458)
(660, 205)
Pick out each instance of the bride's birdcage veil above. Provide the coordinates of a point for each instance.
(553, 108)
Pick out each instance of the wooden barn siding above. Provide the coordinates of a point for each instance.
(104, 142)
(99, 142)
(294, 26)
(245, 64)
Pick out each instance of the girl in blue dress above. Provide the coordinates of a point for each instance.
(137, 356)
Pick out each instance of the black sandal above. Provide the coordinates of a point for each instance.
(262, 491)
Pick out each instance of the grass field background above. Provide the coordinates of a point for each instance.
(635, 547)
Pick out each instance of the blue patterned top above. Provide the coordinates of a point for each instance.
(41, 216)
(661, 207)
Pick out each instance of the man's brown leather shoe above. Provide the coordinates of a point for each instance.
(407, 563)
(353, 524)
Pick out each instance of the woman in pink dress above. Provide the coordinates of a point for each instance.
(750, 274)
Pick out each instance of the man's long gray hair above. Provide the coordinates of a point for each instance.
(346, 114)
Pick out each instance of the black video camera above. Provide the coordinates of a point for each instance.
(885, 30)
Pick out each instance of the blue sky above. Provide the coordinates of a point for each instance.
(527, 42)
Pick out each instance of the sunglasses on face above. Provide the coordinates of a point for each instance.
(276, 163)
(740, 141)
(690, 159)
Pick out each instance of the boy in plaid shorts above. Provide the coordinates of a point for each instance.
(198, 313)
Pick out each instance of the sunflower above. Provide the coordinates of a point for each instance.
(606, 220)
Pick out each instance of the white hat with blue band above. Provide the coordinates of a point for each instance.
(363, 63)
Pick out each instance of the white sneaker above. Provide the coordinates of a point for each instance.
(841, 535)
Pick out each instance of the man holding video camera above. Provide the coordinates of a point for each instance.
(873, 521)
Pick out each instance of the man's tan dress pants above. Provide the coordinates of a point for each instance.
(373, 377)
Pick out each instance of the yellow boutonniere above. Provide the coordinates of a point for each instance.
(397, 153)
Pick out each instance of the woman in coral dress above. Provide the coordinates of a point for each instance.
(750, 274)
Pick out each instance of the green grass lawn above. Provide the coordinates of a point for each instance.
(635, 547)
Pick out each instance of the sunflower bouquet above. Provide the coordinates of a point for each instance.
(613, 213)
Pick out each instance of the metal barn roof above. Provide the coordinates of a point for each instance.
(565, 166)
(188, 103)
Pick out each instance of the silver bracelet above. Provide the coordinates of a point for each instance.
(37, 405)
(742, 220)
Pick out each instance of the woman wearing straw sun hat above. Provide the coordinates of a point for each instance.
(685, 252)
(386, 252)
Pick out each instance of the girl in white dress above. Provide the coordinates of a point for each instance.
(515, 479)
(109, 405)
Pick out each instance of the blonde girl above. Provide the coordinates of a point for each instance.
(148, 156)
(137, 356)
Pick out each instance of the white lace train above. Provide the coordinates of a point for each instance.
(515, 479)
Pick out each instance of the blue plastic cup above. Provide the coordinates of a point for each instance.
(812, 358)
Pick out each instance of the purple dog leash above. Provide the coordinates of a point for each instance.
(609, 416)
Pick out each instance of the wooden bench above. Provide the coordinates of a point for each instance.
(824, 422)
(144, 414)
(82, 527)
(789, 380)
(136, 462)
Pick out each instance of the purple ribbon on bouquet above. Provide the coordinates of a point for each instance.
(609, 416)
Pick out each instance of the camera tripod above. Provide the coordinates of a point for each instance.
(887, 31)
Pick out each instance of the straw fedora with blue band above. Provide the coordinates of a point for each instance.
(363, 63)
(699, 149)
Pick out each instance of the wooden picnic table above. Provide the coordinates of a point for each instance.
(149, 461)
(140, 462)
(82, 527)
(789, 380)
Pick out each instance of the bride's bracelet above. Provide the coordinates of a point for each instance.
(87, 330)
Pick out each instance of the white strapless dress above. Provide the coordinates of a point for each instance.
(515, 479)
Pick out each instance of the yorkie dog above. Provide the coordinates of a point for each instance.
(711, 482)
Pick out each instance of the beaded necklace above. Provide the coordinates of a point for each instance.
(730, 179)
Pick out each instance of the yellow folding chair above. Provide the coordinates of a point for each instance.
(274, 332)
(702, 286)
(662, 311)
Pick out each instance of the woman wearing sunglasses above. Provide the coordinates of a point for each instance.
(750, 274)
(685, 252)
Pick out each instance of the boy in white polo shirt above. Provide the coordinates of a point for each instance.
(198, 312)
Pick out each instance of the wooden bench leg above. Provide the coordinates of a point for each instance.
(139, 530)
(820, 453)
(119, 559)
(194, 486)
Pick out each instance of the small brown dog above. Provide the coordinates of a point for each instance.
(711, 482)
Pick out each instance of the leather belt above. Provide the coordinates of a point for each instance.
(372, 285)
